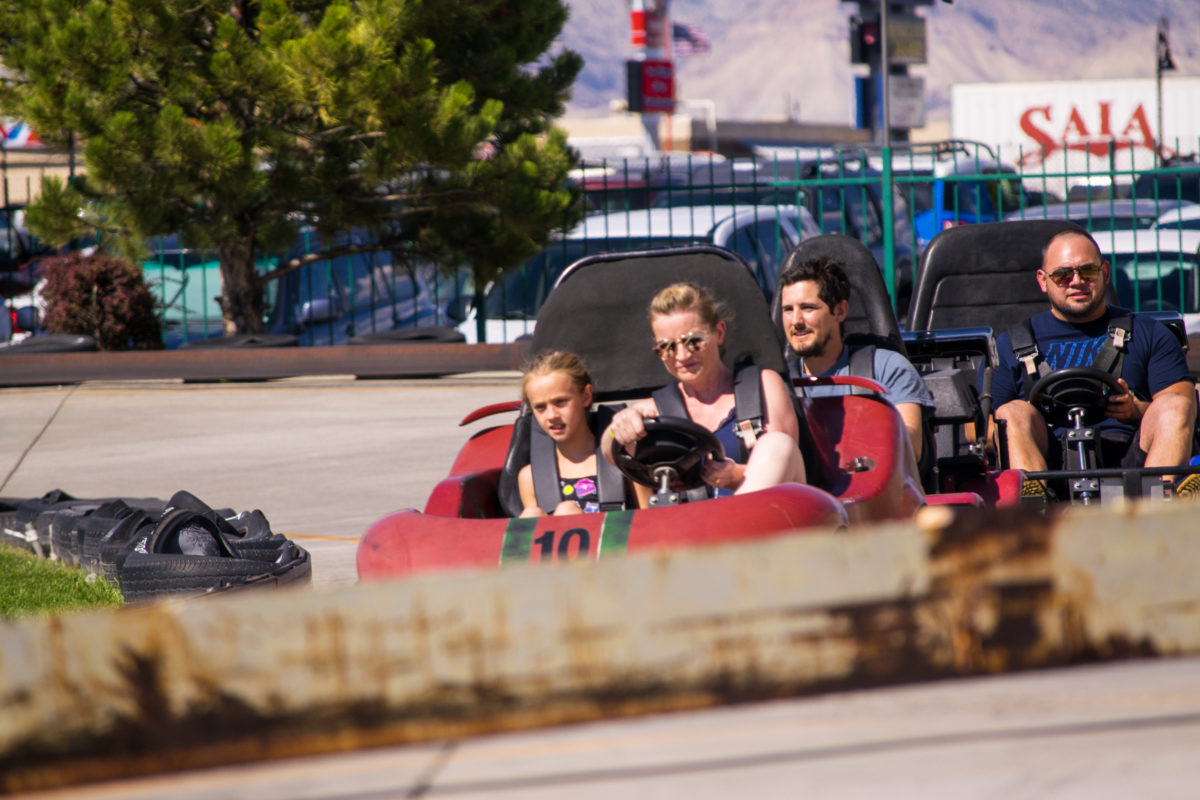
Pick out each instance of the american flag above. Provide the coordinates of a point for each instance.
(688, 40)
(18, 134)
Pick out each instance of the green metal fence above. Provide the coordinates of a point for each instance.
(894, 200)
(940, 185)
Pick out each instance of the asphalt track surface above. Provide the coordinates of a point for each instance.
(325, 457)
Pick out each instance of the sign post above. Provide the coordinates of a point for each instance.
(650, 75)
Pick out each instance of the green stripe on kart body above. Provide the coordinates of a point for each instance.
(614, 533)
(518, 540)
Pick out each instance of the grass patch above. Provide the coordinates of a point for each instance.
(30, 585)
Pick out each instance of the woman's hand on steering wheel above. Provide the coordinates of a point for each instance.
(628, 426)
(721, 474)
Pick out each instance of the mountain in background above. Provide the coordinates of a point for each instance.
(774, 59)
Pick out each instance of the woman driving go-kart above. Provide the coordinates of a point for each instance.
(688, 336)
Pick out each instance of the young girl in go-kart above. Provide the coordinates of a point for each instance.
(689, 336)
(558, 391)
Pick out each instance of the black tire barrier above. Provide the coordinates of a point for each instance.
(149, 548)
(51, 343)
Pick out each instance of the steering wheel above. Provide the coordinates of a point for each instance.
(1074, 388)
(674, 447)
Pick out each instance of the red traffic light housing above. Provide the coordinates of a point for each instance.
(864, 39)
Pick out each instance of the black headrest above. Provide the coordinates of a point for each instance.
(870, 306)
(598, 311)
(983, 275)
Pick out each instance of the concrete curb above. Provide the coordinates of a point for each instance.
(243, 677)
(261, 363)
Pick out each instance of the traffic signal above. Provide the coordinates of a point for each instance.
(864, 39)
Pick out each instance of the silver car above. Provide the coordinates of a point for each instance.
(762, 235)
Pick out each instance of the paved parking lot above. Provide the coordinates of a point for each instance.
(323, 458)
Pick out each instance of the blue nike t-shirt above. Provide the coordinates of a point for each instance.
(1153, 358)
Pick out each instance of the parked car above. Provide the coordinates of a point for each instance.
(761, 235)
(712, 181)
(1156, 270)
(623, 184)
(1181, 182)
(186, 284)
(958, 190)
(942, 184)
(849, 204)
(332, 302)
(1098, 216)
(17, 245)
(853, 206)
(21, 303)
(1184, 217)
(326, 302)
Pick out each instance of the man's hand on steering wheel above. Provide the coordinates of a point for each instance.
(1125, 407)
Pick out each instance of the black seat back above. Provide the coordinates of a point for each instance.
(870, 317)
(598, 311)
(516, 458)
(983, 275)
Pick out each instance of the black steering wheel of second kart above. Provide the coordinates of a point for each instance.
(673, 447)
(1073, 392)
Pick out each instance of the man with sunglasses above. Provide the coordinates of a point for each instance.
(1151, 423)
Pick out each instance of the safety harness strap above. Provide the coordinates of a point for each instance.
(543, 458)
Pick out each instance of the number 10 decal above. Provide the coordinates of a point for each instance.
(520, 545)
(546, 542)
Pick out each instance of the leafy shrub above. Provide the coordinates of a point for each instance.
(103, 297)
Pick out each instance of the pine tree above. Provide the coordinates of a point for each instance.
(428, 122)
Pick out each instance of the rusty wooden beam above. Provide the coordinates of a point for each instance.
(250, 676)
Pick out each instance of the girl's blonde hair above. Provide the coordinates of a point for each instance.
(557, 361)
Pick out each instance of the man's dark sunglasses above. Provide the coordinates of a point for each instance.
(1064, 275)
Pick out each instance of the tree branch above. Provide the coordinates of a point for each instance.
(285, 267)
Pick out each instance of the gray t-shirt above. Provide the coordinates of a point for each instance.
(893, 371)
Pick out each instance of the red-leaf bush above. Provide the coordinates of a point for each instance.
(103, 297)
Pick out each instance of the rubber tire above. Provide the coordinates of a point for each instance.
(51, 343)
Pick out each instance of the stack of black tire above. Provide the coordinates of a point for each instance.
(151, 548)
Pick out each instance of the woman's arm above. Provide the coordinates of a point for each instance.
(779, 410)
(641, 493)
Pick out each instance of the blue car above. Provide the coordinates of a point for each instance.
(956, 191)
(322, 303)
